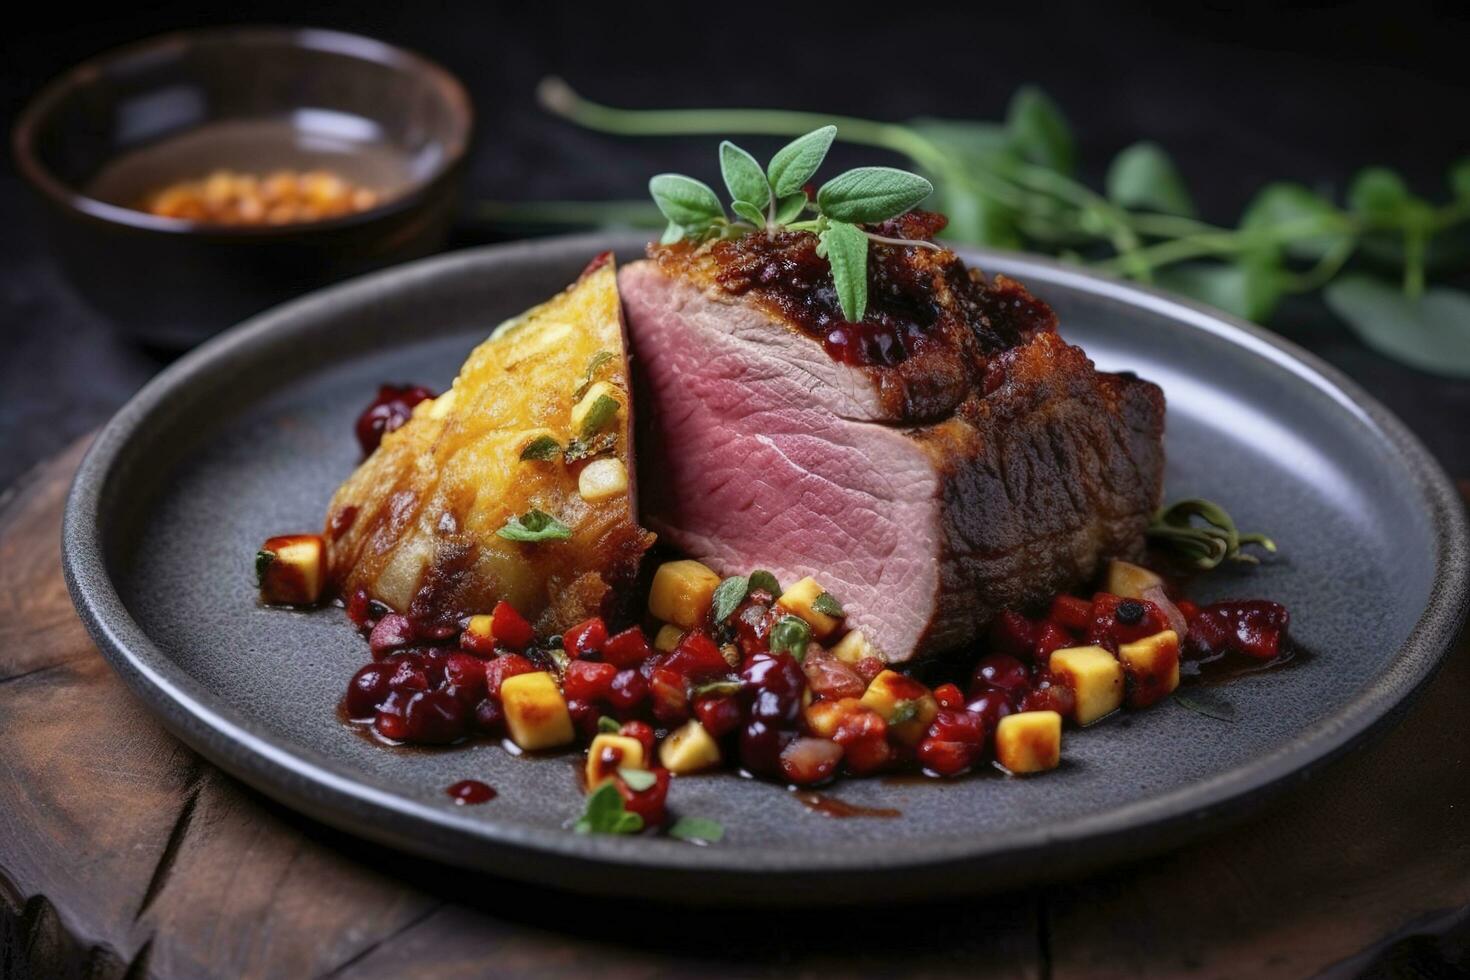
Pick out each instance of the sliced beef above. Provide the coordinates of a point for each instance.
(965, 461)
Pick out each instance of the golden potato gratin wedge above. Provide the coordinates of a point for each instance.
(515, 485)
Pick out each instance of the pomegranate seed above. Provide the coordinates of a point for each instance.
(366, 690)
(510, 628)
(434, 718)
(946, 758)
(490, 717)
(670, 701)
(697, 658)
(506, 665)
(719, 715)
(586, 639)
(991, 706)
(627, 649)
(807, 761)
(392, 632)
(386, 413)
(1013, 634)
(588, 680)
(999, 670)
(627, 691)
(648, 803)
(949, 696)
(643, 732)
(466, 675)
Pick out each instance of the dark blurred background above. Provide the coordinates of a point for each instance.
(1240, 93)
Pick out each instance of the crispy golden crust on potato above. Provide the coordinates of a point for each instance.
(415, 525)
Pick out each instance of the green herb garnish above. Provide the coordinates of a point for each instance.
(792, 634)
(1209, 707)
(1204, 545)
(761, 579)
(598, 360)
(637, 780)
(599, 415)
(827, 605)
(605, 814)
(905, 710)
(697, 830)
(717, 689)
(765, 200)
(534, 525)
(580, 449)
(728, 596)
(263, 561)
(608, 726)
(541, 448)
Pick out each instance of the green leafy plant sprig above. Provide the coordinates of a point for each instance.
(774, 197)
(1381, 257)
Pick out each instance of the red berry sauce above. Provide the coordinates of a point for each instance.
(388, 411)
(468, 792)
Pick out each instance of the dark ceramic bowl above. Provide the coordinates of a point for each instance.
(98, 139)
(249, 435)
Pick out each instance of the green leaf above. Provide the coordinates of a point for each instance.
(580, 449)
(846, 248)
(715, 688)
(1040, 131)
(263, 561)
(1249, 289)
(827, 605)
(593, 366)
(1143, 176)
(1460, 178)
(637, 780)
(728, 595)
(1315, 224)
(603, 409)
(698, 830)
(1431, 333)
(985, 144)
(673, 233)
(903, 711)
(685, 201)
(792, 634)
(534, 525)
(605, 814)
(1379, 194)
(789, 208)
(762, 579)
(541, 448)
(750, 213)
(871, 194)
(796, 162)
(1207, 545)
(744, 177)
(1207, 705)
(608, 726)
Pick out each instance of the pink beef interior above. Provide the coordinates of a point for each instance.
(760, 455)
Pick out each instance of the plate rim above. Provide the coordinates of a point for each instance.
(291, 774)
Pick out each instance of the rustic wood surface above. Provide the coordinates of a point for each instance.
(124, 854)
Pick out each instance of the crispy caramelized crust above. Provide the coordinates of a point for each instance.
(416, 524)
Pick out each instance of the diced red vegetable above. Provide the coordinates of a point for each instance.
(510, 627)
(586, 639)
(506, 665)
(588, 680)
(627, 649)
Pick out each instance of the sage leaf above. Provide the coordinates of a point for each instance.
(749, 212)
(699, 830)
(789, 208)
(728, 595)
(593, 366)
(541, 448)
(1379, 194)
(1248, 289)
(605, 814)
(846, 249)
(685, 201)
(1315, 224)
(1431, 333)
(827, 605)
(871, 194)
(534, 525)
(1039, 131)
(673, 233)
(744, 177)
(599, 415)
(791, 634)
(637, 780)
(1144, 176)
(608, 725)
(796, 162)
(762, 579)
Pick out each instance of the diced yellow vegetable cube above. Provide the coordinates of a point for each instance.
(479, 634)
(1152, 668)
(682, 592)
(598, 390)
(823, 717)
(601, 479)
(667, 637)
(535, 711)
(904, 703)
(608, 753)
(1030, 741)
(798, 599)
(1129, 580)
(1095, 677)
(689, 748)
(290, 569)
(855, 646)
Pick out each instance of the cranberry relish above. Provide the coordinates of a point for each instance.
(750, 690)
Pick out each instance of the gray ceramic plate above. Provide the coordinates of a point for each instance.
(248, 436)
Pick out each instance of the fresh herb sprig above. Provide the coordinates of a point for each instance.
(1210, 540)
(774, 197)
(1012, 184)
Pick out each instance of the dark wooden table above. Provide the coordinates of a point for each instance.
(123, 854)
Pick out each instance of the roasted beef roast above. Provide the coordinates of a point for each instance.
(948, 457)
